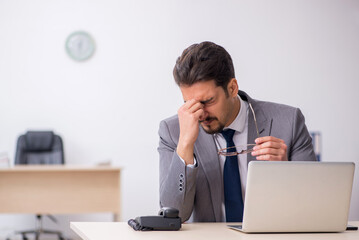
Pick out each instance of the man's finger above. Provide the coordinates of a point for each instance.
(269, 144)
(269, 151)
(198, 113)
(189, 103)
(195, 107)
(268, 138)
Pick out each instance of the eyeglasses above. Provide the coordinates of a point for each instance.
(244, 149)
(236, 150)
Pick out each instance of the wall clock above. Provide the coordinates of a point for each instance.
(80, 46)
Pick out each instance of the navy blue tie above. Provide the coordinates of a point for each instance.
(232, 182)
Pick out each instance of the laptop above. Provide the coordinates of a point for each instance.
(297, 197)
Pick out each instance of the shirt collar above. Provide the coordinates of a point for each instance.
(239, 122)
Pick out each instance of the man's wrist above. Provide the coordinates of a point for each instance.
(185, 151)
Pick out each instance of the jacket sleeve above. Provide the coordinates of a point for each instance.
(177, 181)
(301, 145)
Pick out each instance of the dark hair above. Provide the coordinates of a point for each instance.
(203, 62)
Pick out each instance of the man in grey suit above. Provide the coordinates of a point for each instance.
(191, 170)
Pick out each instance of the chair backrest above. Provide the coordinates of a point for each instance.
(39, 147)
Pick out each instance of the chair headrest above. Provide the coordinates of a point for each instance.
(39, 141)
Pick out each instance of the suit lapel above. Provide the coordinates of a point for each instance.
(264, 123)
(207, 156)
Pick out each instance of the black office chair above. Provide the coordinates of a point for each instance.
(39, 147)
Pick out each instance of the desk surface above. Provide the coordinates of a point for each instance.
(57, 168)
(60, 189)
(198, 231)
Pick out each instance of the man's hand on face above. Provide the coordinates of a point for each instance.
(270, 148)
(189, 115)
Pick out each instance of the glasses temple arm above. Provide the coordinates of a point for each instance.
(254, 116)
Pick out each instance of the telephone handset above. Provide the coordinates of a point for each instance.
(167, 219)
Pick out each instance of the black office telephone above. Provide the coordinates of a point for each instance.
(167, 219)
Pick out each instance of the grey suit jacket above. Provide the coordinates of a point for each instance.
(199, 190)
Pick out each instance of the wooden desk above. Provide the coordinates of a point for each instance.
(44, 189)
(198, 231)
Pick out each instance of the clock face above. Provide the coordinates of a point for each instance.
(80, 46)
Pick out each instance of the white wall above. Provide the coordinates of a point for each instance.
(301, 52)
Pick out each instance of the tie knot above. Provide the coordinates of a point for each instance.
(228, 134)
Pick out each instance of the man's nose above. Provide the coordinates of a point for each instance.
(204, 115)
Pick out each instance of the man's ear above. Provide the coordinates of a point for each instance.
(232, 87)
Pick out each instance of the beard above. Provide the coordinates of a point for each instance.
(212, 129)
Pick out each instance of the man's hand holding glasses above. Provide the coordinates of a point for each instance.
(265, 148)
(270, 148)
